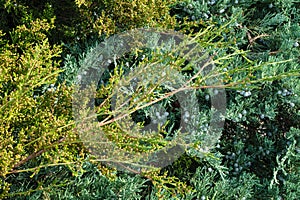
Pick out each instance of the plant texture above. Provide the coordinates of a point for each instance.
(82, 119)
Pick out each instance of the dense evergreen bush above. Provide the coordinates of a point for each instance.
(34, 111)
(255, 48)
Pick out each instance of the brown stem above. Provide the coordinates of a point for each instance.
(34, 155)
(252, 39)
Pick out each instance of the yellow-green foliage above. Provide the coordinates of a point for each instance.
(120, 15)
(32, 127)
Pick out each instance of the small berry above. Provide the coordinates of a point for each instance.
(247, 94)
(279, 92)
(187, 114)
(270, 5)
(207, 97)
(212, 2)
(244, 112)
(262, 116)
(296, 44)
(216, 92)
(157, 114)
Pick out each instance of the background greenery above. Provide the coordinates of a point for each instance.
(43, 45)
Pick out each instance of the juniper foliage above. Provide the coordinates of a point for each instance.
(255, 48)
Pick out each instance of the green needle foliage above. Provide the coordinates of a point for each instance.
(33, 109)
(249, 48)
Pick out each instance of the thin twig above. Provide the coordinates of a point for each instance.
(34, 155)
